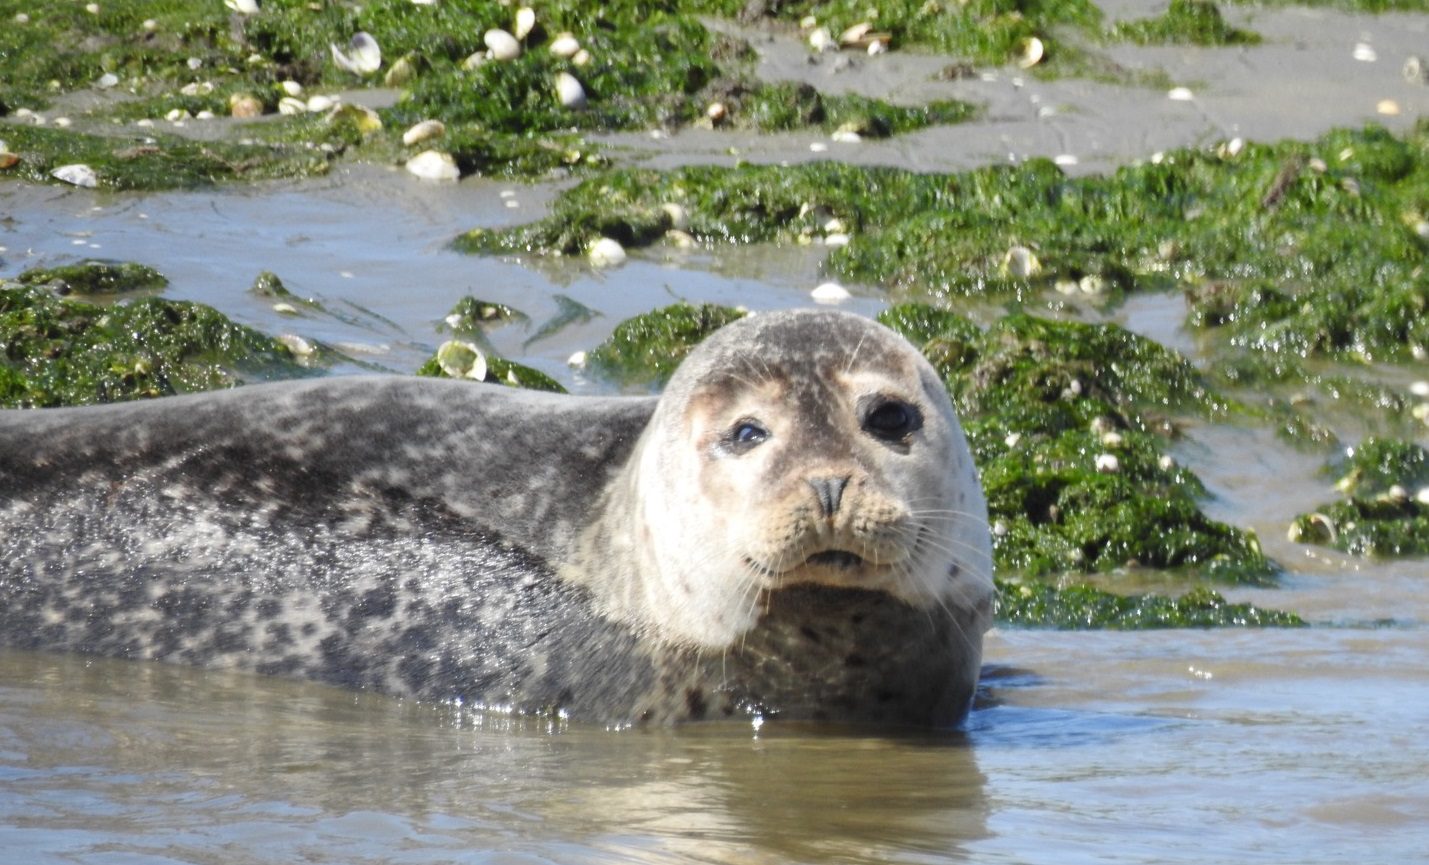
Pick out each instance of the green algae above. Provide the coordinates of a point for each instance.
(1293, 249)
(500, 371)
(145, 160)
(646, 65)
(1185, 22)
(981, 31)
(472, 315)
(60, 351)
(1384, 512)
(645, 350)
(95, 277)
(1080, 607)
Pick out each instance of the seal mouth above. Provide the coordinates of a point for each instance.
(836, 559)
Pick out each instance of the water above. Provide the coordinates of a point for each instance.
(1298, 746)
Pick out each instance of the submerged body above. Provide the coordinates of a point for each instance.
(794, 529)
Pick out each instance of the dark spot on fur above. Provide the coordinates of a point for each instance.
(855, 660)
(810, 633)
(376, 603)
(695, 703)
(308, 629)
(279, 634)
(269, 608)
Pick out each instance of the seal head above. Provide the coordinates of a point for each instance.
(796, 448)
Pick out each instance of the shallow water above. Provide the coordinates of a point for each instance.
(1302, 746)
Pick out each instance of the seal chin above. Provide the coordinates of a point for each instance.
(831, 567)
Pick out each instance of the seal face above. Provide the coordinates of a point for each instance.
(811, 448)
(795, 528)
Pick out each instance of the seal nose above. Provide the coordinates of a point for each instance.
(829, 492)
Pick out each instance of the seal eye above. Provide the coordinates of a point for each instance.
(892, 420)
(745, 435)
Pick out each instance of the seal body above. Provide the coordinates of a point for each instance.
(767, 537)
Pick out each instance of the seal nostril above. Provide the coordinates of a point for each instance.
(830, 492)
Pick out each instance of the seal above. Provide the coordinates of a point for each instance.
(793, 529)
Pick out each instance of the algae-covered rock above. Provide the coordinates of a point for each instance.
(1066, 424)
(1077, 607)
(94, 277)
(156, 161)
(645, 350)
(1185, 22)
(1295, 250)
(491, 370)
(60, 351)
(1386, 508)
(471, 315)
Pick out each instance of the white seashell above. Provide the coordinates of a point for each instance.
(808, 22)
(194, 63)
(503, 45)
(1012, 439)
(1021, 262)
(716, 112)
(855, 33)
(63, 122)
(462, 360)
(1166, 463)
(837, 239)
(679, 239)
(297, 345)
(285, 309)
(606, 252)
(1418, 388)
(107, 80)
(1065, 160)
(242, 7)
(92, 8)
(845, 136)
(821, 40)
(22, 18)
(577, 359)
(1422, 497)
(204, 115)
(77, 174)
(320, 103)
(830, 292)
(679, 216)
(1108, 464)
(581, 57)
(400, 73)
(877, 46)
(565, 45)
(423, 131)
(434, 165)
(818, 147)
(1180, 94)
(177, 114)
(569, 90)
(291, 88)
(1414, 70)
(1030, 52)
(1387, 107)
(1364, 53)
(290, 105)
(525, 22)
(365, 57)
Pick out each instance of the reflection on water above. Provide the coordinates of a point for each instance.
(1179, 746)
(102, 757)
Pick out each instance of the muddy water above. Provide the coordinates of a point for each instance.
(1301, 746)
